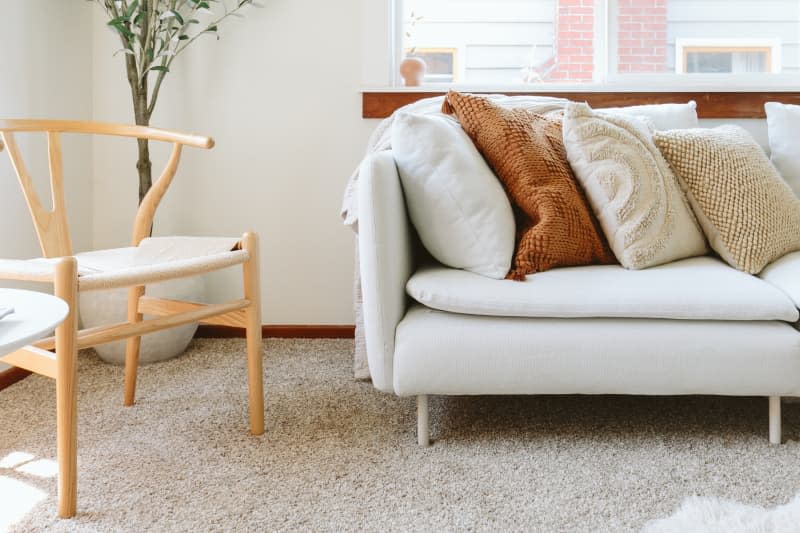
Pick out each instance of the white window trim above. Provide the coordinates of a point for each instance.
(773, 44)
(602, 46)
(381, 65)
(396, 9)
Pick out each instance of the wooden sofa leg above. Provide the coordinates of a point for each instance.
(66, 288)
(423, 421)
(132, 346)
(255, 347)
(775, 419)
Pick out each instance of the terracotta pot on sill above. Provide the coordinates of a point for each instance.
(412, 70)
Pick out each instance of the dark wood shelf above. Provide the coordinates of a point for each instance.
(381, 104)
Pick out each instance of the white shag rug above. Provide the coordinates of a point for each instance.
(714, 515)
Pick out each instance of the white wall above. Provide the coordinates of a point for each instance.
(46, 73)
(280, 93)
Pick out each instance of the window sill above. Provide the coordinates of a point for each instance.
(746, 102)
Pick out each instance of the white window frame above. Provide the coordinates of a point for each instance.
(604, 79)
(774, 45)
(455, 52)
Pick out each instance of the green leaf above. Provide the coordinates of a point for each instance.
(172, 14)
(131, 8)
(160, 68)
(128, 34)
(118, 20)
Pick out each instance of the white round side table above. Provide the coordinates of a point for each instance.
(35, 315)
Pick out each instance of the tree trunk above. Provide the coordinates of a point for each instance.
(143, 164)
(142, 116)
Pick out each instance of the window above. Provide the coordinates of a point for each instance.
(506, 42)
(440, 63)
(727, 56)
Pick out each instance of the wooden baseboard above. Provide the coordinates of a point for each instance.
(280, 332)
(11, 376)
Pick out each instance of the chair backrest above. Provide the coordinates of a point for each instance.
(51, 223)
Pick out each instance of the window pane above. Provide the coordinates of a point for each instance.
(502, 41)
(704, 36)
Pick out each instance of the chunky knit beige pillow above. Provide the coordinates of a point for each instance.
(633, 192)
(749, 214)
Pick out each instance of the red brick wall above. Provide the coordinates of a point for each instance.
(642, 38)
(574, 41)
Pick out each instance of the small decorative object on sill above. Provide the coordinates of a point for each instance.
(412, 70)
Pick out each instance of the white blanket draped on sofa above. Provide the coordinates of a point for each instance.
(380, 140)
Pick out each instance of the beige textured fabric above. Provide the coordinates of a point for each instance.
(340, 456)
(155, 259)
(634, 194)
(143, 274)
(749, 214)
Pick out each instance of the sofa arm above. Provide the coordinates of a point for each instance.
(386, 261)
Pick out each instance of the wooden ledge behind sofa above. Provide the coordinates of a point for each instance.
(725, 105)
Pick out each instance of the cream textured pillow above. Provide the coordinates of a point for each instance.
(633, 192)
(750, 216)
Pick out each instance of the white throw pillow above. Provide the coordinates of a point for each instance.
(662, 116)
(631, 188)
(783, 125)
(456, 203)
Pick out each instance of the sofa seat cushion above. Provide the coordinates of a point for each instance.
(448, 353)
(700, 288)
(785, 275)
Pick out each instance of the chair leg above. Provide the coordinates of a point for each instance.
(255, 347)
(66, 288)
(774, 419)
(132, 346)
(423, 422)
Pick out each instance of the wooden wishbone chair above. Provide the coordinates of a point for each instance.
(65, 273)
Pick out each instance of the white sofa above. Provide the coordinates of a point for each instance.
(695, 326)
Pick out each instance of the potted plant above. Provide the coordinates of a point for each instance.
(153, 33)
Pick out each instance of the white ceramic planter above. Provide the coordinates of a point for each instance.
(107, 307)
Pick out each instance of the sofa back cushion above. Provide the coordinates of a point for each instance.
(662, 116)
(633, 192)
(783, 124)
(749, 214)
(459, 209)
(554, 224)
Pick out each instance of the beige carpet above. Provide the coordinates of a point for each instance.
(340, 456)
